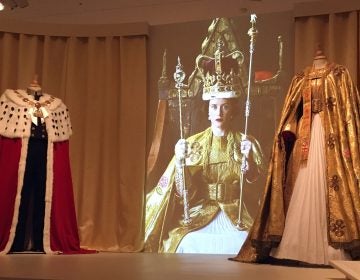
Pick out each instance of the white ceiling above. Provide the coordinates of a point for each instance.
(152, 11)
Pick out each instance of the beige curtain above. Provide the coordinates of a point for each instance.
(338, 36)
(103, 82)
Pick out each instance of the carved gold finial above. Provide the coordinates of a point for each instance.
(163, 72)
(252, 32)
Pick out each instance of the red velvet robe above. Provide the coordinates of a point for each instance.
(60, 234)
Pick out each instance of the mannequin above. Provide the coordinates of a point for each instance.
(29, 230)
(320, 60)
(311, 166)
(36, 193)
(310, 209)
(34, 88)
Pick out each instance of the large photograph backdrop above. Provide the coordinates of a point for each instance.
(272, 71)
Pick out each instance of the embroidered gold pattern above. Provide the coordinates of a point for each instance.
(222, 192)
(330, 103)
(331, 141)
(347, 154)
(304, 146)
(338, 228)
(338, 70)
(316, 105)
(195, 152)
(163, 182)
(335, 182)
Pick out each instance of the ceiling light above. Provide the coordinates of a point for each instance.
(12, 4)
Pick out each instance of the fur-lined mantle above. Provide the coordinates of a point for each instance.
(16, 108)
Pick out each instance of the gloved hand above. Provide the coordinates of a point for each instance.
(245, 147)
(181, 150)
(244, 166)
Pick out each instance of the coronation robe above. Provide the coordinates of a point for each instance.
(212, 180)
(60, 234)
(341, 122)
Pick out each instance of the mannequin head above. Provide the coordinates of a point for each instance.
(34, 87)
(320, 60)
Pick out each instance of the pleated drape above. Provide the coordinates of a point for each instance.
(103, 82)
(338, 36)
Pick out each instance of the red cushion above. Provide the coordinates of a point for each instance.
(263, 75)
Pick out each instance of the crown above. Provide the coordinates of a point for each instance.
(220, 74)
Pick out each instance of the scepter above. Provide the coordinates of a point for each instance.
(252, 32)
(179, 77)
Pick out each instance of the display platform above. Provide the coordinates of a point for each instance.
(149, 266)
(351, 269)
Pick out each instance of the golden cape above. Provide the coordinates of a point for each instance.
(341, 121)
(164, 208)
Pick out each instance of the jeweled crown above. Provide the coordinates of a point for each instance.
(220, 74)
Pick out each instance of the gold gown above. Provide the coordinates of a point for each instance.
(339, 101)
(212, 179)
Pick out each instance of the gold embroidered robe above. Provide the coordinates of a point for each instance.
(341, 121)
(211, 189)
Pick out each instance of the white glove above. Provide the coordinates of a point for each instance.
(245, 147)
(181, 150)
(244, 166)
